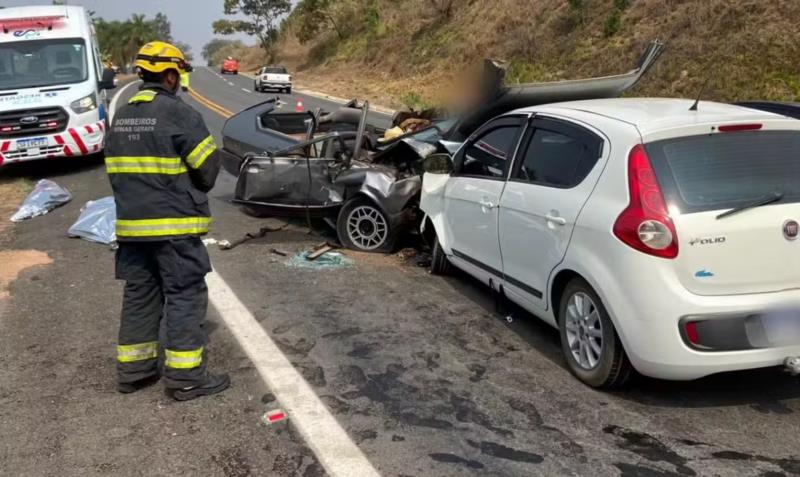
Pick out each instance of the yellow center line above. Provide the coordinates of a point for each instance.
(225, 113)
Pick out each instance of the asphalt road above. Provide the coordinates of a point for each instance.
(422, 375)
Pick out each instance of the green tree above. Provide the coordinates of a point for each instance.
(313, 16)
(162, 27)
(216, 44)
(219, 48)
(262, 16)
(186, 49)
(120, 40)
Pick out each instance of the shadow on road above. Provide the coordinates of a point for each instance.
(764, 390)
(49, 168)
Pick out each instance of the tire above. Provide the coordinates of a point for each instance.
(363, 226)
(611, 369)
(288, 90)
(440, 264)
(236, 72)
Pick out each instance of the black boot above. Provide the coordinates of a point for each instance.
(127, 388)
(214, 384)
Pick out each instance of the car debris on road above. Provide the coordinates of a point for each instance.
(45, 196)
(327, 260)
(227, 245)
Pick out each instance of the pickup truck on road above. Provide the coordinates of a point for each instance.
(273, 77)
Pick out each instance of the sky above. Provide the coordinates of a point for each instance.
(191, 19)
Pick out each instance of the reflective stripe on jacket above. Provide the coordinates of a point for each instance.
(161, 160)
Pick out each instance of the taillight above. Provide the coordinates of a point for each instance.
(740, 127)
(645, 224)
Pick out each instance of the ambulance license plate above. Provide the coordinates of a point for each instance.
(31, 143)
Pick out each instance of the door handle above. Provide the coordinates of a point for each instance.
(486, 204)
(555, 219)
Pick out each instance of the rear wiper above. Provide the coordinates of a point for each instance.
(766, 200)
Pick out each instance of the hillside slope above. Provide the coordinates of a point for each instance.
(408, 52)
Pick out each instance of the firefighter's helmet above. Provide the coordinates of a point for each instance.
(158, 57)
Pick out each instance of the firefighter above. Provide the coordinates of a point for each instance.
(185, 80)
(161, 161)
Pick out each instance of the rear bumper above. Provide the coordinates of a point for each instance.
(270, 84)
(650, 311)
(76, 140)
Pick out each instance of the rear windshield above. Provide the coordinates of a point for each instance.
(726, 170)
(276, 71)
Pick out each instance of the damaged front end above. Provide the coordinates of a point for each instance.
(364, 180)
(314, 164)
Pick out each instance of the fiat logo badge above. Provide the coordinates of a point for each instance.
(790, 229)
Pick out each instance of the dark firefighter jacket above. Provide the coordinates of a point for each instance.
(161, 161)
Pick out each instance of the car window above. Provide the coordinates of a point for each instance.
(727, 170)
(275, 70)
(557, 158)
(488, 154)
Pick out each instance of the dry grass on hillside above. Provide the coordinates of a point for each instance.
(745, 48)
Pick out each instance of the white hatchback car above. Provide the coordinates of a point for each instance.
(654, 236)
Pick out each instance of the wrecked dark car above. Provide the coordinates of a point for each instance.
(306, 164)
(364, 182)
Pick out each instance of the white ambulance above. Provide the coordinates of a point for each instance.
(52, 84)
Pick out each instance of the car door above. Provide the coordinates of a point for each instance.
(553, 176)
(472, 196)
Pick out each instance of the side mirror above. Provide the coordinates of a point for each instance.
(108, 80)
(438, 164)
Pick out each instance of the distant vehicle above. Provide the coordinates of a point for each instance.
(273, 77)
(229, 65)
(52, 84)
(654, 235)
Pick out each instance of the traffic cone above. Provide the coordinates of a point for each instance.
(299, 108)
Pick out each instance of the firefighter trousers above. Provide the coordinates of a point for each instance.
(164, 281)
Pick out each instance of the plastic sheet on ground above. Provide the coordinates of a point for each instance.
(45, 196)
(97, 221)
(329, 261)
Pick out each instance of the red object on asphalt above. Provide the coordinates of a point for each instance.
(272, 417)
(299, 108)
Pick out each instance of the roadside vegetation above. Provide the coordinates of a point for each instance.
(401, 52)
(121, 40)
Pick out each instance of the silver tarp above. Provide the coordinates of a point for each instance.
(97, 221)
(45, 196)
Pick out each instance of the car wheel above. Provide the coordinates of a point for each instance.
(440, 264)
(288, 90)
(363, 226)
(590, 344)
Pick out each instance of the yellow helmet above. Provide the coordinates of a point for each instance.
(157, 57)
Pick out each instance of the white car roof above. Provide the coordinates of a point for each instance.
(656, 114)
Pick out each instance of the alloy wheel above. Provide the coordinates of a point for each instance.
(584, 330)
(367, 228)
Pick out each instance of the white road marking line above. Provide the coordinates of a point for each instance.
(230, 83)
(337, 453)
(246, 90)
(112, 108)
